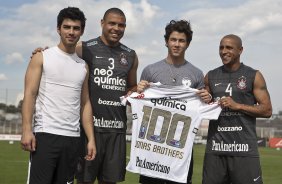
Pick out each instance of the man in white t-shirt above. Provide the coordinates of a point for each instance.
(55, 97)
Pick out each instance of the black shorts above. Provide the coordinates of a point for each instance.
(219, 169)
(55, 159)
(149, 180)
(110, 162)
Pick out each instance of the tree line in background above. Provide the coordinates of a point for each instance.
(11, 108)
(14, 109)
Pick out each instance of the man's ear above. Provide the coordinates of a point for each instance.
(188, 45)
(58, 31)
(241, 50)
(102, 22)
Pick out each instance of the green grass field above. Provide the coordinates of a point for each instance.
(14, 164)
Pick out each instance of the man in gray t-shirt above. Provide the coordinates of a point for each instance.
(174, 70)
(183, 73)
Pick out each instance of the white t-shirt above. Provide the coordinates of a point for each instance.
(165, 122)
(57, 107)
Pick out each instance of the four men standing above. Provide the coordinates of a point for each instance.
(55, 96)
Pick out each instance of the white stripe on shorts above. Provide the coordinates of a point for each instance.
(28, 171)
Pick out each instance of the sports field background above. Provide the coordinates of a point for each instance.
(14, 164)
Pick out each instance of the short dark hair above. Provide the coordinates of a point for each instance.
(181, 26)
(72, 13)
(236, 38)
(115, 11)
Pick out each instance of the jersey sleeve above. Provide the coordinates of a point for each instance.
(209, 111)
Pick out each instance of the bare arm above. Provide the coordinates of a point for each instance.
(32, 81)
(204, 93)
(206, 81)
(263, 108)
(87, 119)
(38, 49)
(78, 49)
(132, 76)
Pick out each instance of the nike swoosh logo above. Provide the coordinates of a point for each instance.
(256, 178)
(99, 57)
(70, 182)
(217, 84)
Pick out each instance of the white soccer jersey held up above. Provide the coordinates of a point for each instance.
(165, 122)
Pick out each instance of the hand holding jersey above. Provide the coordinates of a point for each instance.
(165, 122)
(232, 140)
(203, 93)
(174, 70)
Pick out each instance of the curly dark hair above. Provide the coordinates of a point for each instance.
(181, 26)
(72, 13)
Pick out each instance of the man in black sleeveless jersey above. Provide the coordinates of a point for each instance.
(53, 104)
(113, 68)
(232, 152)
(174, 70)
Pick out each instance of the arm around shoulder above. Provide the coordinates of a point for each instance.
(78, 49)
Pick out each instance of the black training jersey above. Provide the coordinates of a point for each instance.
(234, 133)
(108, 68)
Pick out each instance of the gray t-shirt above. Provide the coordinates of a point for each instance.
(174, 75)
